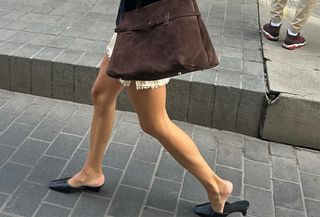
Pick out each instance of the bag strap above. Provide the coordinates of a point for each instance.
(165, 21)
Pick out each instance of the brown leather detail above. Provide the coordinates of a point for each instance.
(161, 40)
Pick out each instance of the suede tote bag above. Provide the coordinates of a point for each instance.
(163, 39)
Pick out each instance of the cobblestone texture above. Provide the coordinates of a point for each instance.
(142, 178)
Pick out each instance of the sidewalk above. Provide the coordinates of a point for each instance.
(42, 139)
(294, 77)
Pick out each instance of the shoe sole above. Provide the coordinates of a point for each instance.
(293, 46)
(269, 36)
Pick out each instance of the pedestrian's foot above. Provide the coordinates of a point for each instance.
(293, 42)
(86, 177)
(219, 198)
(271, 32)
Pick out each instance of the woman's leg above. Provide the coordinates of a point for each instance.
(150, 107)
(104, 94)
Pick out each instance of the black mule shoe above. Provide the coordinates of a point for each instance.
(205, 210)
(62, 185)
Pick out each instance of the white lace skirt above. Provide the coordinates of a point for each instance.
(139, 84)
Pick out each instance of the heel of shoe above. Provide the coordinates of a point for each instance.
(244, 212)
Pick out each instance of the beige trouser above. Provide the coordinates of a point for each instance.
(303, 12)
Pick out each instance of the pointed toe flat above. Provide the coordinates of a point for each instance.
(63, 186)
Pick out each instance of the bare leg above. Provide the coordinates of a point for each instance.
(104, 94)
(150, 107)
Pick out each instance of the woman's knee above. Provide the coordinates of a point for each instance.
(155, 127)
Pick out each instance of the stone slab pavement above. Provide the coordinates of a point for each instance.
(42, 139)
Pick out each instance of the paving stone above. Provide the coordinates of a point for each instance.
(127, 133)
(48, 210)
(86, 110)
(130, 117)
(14, 174)
(230, 64)
(45, 102)
(85, 143)
(98, 46)
(63, 111)
(33, 115)
(127, 202)
(63, 146)
(46, 169)
(310, 185)
(147, 211)
(209, 156)
(89, 205)
(139, 174)
(234, 176)
(5, 153)
(3, 198)
(25, 201)
(232, 42)
(6, 119)
(257, 174)
(17, 25)
(313, 208)
(287, 194)
(230, 138)
(117, 155)
(226, 108)
(200, 103)
(18, 103)
(5, 94)
(21, 131)
(164, 195)
(253, 68)
(45, 28)
(229, 78)
(22, 37)
(185, 209)
(42, 39)
(232, 52)
(285, 168)
(77, 125)
(260, 201)
(230, 156)
(48, 129)
(81, 44)
(249, 113)
(288, 212)
(205, 138)
(148, 148)
(253, 55)
(177, 101)
(76, 162)
(6, 34)
(62, 42)
(309, 161)
(29, 152)
(31, 17)
(282, 150)
(65, 200)
(192, 189)
(256, 150)
(169, 168)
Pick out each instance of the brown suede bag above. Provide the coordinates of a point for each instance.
(163, 39)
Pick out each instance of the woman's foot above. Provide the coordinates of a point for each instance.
(87, 177)
(219, 198)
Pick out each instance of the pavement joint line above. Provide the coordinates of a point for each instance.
(229, 167)
(315, 200)
(258, 161)
(122, 175)
(145, 161)
(264, 189)
(70, 134)
(114, 168)
(39, 140)
(152, 180)
(137, 188)
(271, 188)
(53, 204)
(284, 180)
(168, 180)
(162, 210)
(289, 209)
(20, 164)
(180, 191)
(10, 214)
(310, 173)
(121, 143)
(52, 156)
(242, 177)
(264, 163)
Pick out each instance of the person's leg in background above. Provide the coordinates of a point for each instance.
(271, 30)
(150, 105)
(294, 39)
